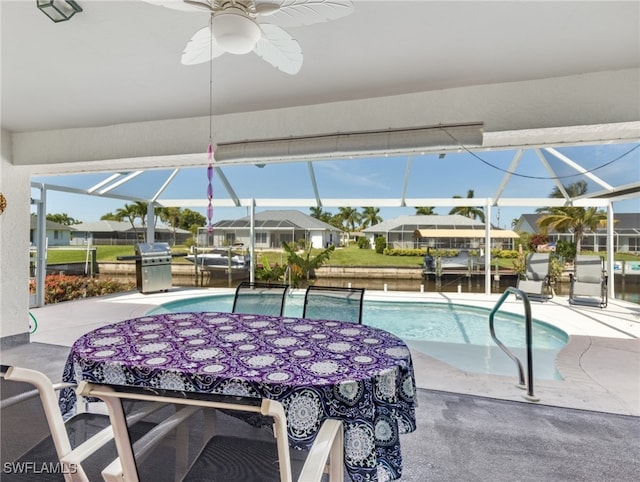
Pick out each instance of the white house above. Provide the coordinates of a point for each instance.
(272, 228)
(450, 231)
(57, 234)
(122, 233)
(626, 233)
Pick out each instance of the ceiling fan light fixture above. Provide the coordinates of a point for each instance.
(59, 10)
(235, 32)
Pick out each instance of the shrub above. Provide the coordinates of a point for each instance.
(291, 245)
(436, 253)
(537, 240)
(405, 252)
(303, 266)
(59, 287)
(270, 273)
(380, 244)
(504, 253)
(445, 253)
(555, 268)
(190, 242)
(364, 243)
(565, 249)
(519, 266)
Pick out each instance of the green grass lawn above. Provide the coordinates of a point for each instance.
(72, 255)
(351, 256)
(348, 256)
(354, 256)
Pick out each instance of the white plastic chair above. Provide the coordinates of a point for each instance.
(237, 457)
(77, 448)
(77, 439)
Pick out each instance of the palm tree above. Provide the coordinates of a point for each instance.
(571, 219)
(468, 211)
(370, 217)
(350, 217)
(141, 210)
(171, 217)
(425, 211)
(336, 221)
(577, 220)
(575, 189)
(319, 213)
(129, 212)
(62, 218)
(110, 217)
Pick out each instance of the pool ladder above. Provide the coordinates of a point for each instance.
(528, 334)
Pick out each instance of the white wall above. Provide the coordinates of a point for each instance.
(63, 239)
(318, 240)
(14, 246)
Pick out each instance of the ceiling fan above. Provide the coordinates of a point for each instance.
(242, 26)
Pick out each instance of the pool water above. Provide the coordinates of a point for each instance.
(453, 333)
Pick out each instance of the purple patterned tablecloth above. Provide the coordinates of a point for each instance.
(317, 369)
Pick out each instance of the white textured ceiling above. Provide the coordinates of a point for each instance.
(533, 72)
(119, 61)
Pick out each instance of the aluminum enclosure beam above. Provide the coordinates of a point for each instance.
(381, 202)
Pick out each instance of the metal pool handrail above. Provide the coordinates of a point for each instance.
(528, 334)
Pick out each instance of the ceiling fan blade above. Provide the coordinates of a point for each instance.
(294, 13)
(200, 48)
(176, 5)
(203, 5)
(279, 48)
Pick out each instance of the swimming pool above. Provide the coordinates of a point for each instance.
(453, 333)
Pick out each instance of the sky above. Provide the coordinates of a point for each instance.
(384, 177)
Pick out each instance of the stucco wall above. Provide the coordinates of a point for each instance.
(14, 252)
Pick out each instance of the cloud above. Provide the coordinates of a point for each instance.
(338, 173)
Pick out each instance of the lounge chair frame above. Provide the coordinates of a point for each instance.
(588, 284)
(536, 282)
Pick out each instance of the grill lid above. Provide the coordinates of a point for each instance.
(152, 249)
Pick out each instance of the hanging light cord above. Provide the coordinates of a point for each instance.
(211, 81)
(210, 147)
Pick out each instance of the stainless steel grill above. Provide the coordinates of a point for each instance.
(153, 267)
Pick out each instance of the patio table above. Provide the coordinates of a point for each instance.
(317, 369)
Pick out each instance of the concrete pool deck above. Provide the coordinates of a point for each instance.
(600, 364)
